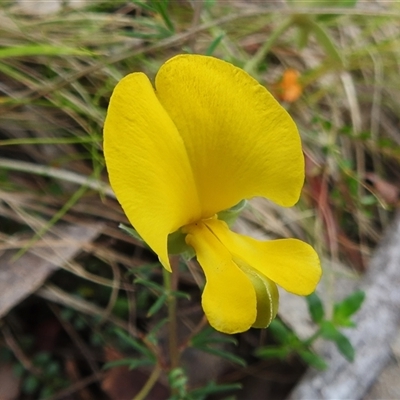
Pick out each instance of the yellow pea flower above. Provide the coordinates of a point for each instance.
(206, 137)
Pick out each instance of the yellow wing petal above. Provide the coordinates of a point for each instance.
(241, 142)
(229, 298)
(290, 263)
(147, 164)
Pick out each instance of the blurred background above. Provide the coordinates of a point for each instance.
(82, 305)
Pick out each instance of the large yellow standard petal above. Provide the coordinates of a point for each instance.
(148, 165)
(290, 263)
(229, 299)
(241, 142)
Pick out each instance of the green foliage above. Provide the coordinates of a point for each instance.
(40, 50)
(178, 382)
(289, 343)
(132, 343)
(210, 341)
(46, 380)
(346, 308)
(330, 332)
(212, 388)
(176, 240)
(30, 384)
(214, 44)
(63, 68)
(131, 363)
(131, 232)
(312, 359)
(162, 294)
(326, 3)
(315, 307)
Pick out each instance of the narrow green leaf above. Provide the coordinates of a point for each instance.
(214, 44)
(131, 363)
(151, 285)
(279, 331)
(345, 347)
(313, 359)
(180, 294)
(135, 344)
(346, 308)
(208, 4)
(162, 8)
(339, 3)
(324, 3)
(213, 388)
(157, 305)
(273, 352)
(325, 41)
(145, 6)
(223, 354)
(209, 335)
(41, 50)
(152, 336)
(304, 34)
(329, 331)
(130, 231)
(315, 307)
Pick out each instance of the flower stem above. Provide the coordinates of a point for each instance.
(153, 378)
(170, 283)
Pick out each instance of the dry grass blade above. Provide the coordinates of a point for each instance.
(57, 72)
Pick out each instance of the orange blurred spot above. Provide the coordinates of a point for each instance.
(289, 88)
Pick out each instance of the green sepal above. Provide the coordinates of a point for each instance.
(231, 214)
(178, 245)
(176, 240)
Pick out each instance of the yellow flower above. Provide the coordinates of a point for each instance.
(205, 138)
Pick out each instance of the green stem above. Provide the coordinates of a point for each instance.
(253, 63)
(169, 283)
(312, 338)
(153, 378)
